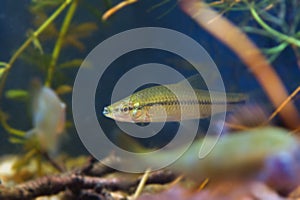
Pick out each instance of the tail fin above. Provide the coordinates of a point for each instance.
(236, 98)
(247, 116)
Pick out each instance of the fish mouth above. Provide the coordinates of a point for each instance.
(106, 112)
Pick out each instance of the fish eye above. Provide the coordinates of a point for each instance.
(125, 108)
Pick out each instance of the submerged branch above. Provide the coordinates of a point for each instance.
(248, 52)
(78, 181)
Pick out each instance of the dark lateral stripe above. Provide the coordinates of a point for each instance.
(191, 102)
(236, 102)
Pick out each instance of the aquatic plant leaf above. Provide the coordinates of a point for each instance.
(73, 41)
(238, 41)
(61, 78)
(51, 32)
(84, 29)
(3, 63)
(77, 32)
(19, 95)
(36, 43)
(1, 71)
(15, 140)
(33, 57)
(69, 124)
(63, 89)
(71, 63)
(25, 160)
(275, 20)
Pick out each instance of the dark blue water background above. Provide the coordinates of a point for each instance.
(15, 20)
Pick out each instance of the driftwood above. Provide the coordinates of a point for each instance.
(84, 183)
(249, 54)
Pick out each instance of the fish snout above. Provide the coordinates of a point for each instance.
(106, 111)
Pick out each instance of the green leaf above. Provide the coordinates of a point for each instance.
(69, 124)
(1, 71)
(15, 140)
(36, 43)
(83, 30)
(3, 64)
(63, 89)
(71, 63)
(19, 95)
(77, 32)
(33, 57)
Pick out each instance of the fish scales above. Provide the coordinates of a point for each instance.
(171, 103)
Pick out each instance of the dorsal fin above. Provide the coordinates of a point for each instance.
(197, 82)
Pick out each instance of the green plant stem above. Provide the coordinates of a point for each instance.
(16, 55)
(272, 31)
(277, 49)
(28, 41)
(11, 130)
(59, 42)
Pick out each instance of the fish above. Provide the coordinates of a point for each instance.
(161, 104)
(267, 154)
(48, 117)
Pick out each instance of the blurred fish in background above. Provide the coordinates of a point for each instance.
(48, 117)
